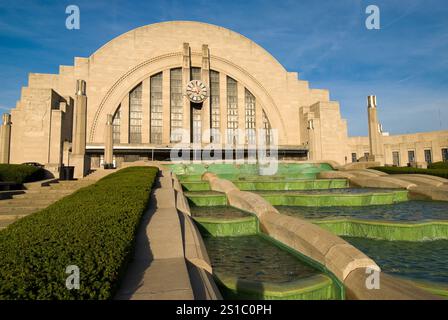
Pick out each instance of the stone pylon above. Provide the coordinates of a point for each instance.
(5, 138)
(375, 135)
(78, 157)
(205, 76)
(80, 119)
(108, 142)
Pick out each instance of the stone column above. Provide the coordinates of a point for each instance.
(78, 157)
(205, 76)
(375, 136)
(311, 140)
(186, 77)
(80, 123)
(5, 138)
(54, 156)
(108, 143)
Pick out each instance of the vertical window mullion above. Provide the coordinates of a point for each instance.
(135, 115)
(176, 104)
(156, 108)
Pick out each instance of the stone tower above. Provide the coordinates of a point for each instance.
(5, 138)
(375, 136)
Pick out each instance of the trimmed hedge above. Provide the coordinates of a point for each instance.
(443, 173)
(20, 173)
(93, 228)
(438, 165)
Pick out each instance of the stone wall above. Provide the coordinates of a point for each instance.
(418, 142)
(117, 67)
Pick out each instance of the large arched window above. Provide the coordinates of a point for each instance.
(176, 103)
(156, 108)
(214, 105)
(116, 125)
(232, 110)
(249, 100)
(135, 115)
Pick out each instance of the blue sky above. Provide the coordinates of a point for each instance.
(405, 63)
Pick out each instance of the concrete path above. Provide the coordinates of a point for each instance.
(160, 268)
(39, 195)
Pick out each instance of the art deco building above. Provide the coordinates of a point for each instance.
(141, 87)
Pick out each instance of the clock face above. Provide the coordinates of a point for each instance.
(196, 91)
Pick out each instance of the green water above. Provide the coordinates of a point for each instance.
(424, 261)
(402, 211)
(324, 199)
(206, 198)
(255, 259)
(193, 172)
(289, 184)
(196, 186)
(335, 191)
(218, 212)
(204, 193)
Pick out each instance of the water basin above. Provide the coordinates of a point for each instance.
(402, 211)
(420, 260)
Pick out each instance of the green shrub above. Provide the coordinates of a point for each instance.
(438, 165)
(20, 173)
(443, 173)
(93, 228)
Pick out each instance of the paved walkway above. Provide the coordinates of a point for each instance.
(159, 269)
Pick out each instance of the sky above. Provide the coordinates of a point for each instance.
(404, 63)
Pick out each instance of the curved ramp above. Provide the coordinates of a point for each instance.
(346, 262)
(420, 186)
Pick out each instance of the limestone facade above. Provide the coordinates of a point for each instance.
(140, 78)
(416, 149)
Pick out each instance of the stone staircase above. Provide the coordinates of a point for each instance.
(38, 196)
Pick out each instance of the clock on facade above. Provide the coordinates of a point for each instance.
(197, 91)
